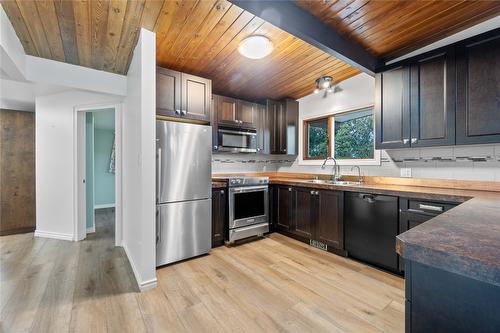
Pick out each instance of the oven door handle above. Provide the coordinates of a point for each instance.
(237, 132)
(249, 189)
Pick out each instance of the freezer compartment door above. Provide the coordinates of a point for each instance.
(183, 230)
(184, 161)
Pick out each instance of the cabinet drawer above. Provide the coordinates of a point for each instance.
(428, 207)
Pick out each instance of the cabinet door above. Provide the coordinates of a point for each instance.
(392, 109)
(330, 222)
(303, 212)
(281, 127)
(213, 122)
(478, 90)
(247, 114)
(291, 127)
(283, 204)
(218, 216)
(196, 97)
(263, 130)
(274, 130)
(168, 92)
(432, 110)
(226, 110)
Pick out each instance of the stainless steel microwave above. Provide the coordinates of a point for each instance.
(237, 140)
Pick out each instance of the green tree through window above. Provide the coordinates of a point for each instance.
(354, 137)
(317, 132)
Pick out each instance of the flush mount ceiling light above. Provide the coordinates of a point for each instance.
(325, 83)
(255, 47)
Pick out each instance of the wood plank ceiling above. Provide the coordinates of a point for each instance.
(197, 37)
(391, 28)
(201, 37)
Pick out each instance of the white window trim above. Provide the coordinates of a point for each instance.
(376, 153)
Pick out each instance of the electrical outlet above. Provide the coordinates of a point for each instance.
(405, 172)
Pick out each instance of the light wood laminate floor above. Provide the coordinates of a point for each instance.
(274, 284)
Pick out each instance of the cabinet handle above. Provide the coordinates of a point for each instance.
(405, 141)
(184, 112)
(216, 147)
(222, 192)
(413, 140)
(431, 207)
(317, 193)
(312, 192)
(289, 189)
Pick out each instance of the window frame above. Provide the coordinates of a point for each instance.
(304, 160)
(305, 144)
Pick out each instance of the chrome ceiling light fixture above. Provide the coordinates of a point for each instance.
(325, 83)
(255, 47)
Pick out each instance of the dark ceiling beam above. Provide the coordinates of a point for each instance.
(289, 17)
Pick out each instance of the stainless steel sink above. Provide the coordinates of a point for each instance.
(333, 182)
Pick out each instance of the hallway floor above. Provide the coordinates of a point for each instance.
(271, 285)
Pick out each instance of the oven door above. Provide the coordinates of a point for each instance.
(248, 205)
(234, 140)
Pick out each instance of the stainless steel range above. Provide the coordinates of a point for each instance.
(248, 207)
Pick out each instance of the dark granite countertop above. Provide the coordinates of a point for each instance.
(464, 240)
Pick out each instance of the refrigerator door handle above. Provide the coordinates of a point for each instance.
(158, 227)
(159, 180)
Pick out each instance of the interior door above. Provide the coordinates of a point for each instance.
(196, 97)
(432, 82)
(184, 159)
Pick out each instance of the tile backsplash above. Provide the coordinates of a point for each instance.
(477, 162)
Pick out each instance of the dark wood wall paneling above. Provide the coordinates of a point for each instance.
(17, 171)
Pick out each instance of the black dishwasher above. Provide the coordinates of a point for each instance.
(371, 226)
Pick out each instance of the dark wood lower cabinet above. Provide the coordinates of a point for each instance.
(441, 301)
(219, 216)
(303, 212)
(282, 214)
(310, 214)
(330, 221)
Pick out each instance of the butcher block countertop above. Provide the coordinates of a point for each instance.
(463, 240)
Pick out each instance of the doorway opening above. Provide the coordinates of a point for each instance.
(98, 173)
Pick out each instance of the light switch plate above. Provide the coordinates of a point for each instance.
(405, 172)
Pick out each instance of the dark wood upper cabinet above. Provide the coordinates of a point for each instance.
(282, 198)
(478, 90)
(330, 221)
(444, 97)
(182, 95)
(432, 89)
(168, 92)
(303, 212)
(219, 211)
(247, 113)
(284, 118)
(226, 110)
(392, 108)
(196, 97)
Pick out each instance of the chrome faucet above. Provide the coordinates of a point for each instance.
(360, 179)
(336, 173)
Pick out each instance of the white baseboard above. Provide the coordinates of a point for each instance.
(143, 285)
(91, 229)
(54, 235)
(111, 205)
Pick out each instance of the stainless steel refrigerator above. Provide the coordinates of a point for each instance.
(183, 191)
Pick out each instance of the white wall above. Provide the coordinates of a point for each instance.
(138, 162)
(55, 119)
